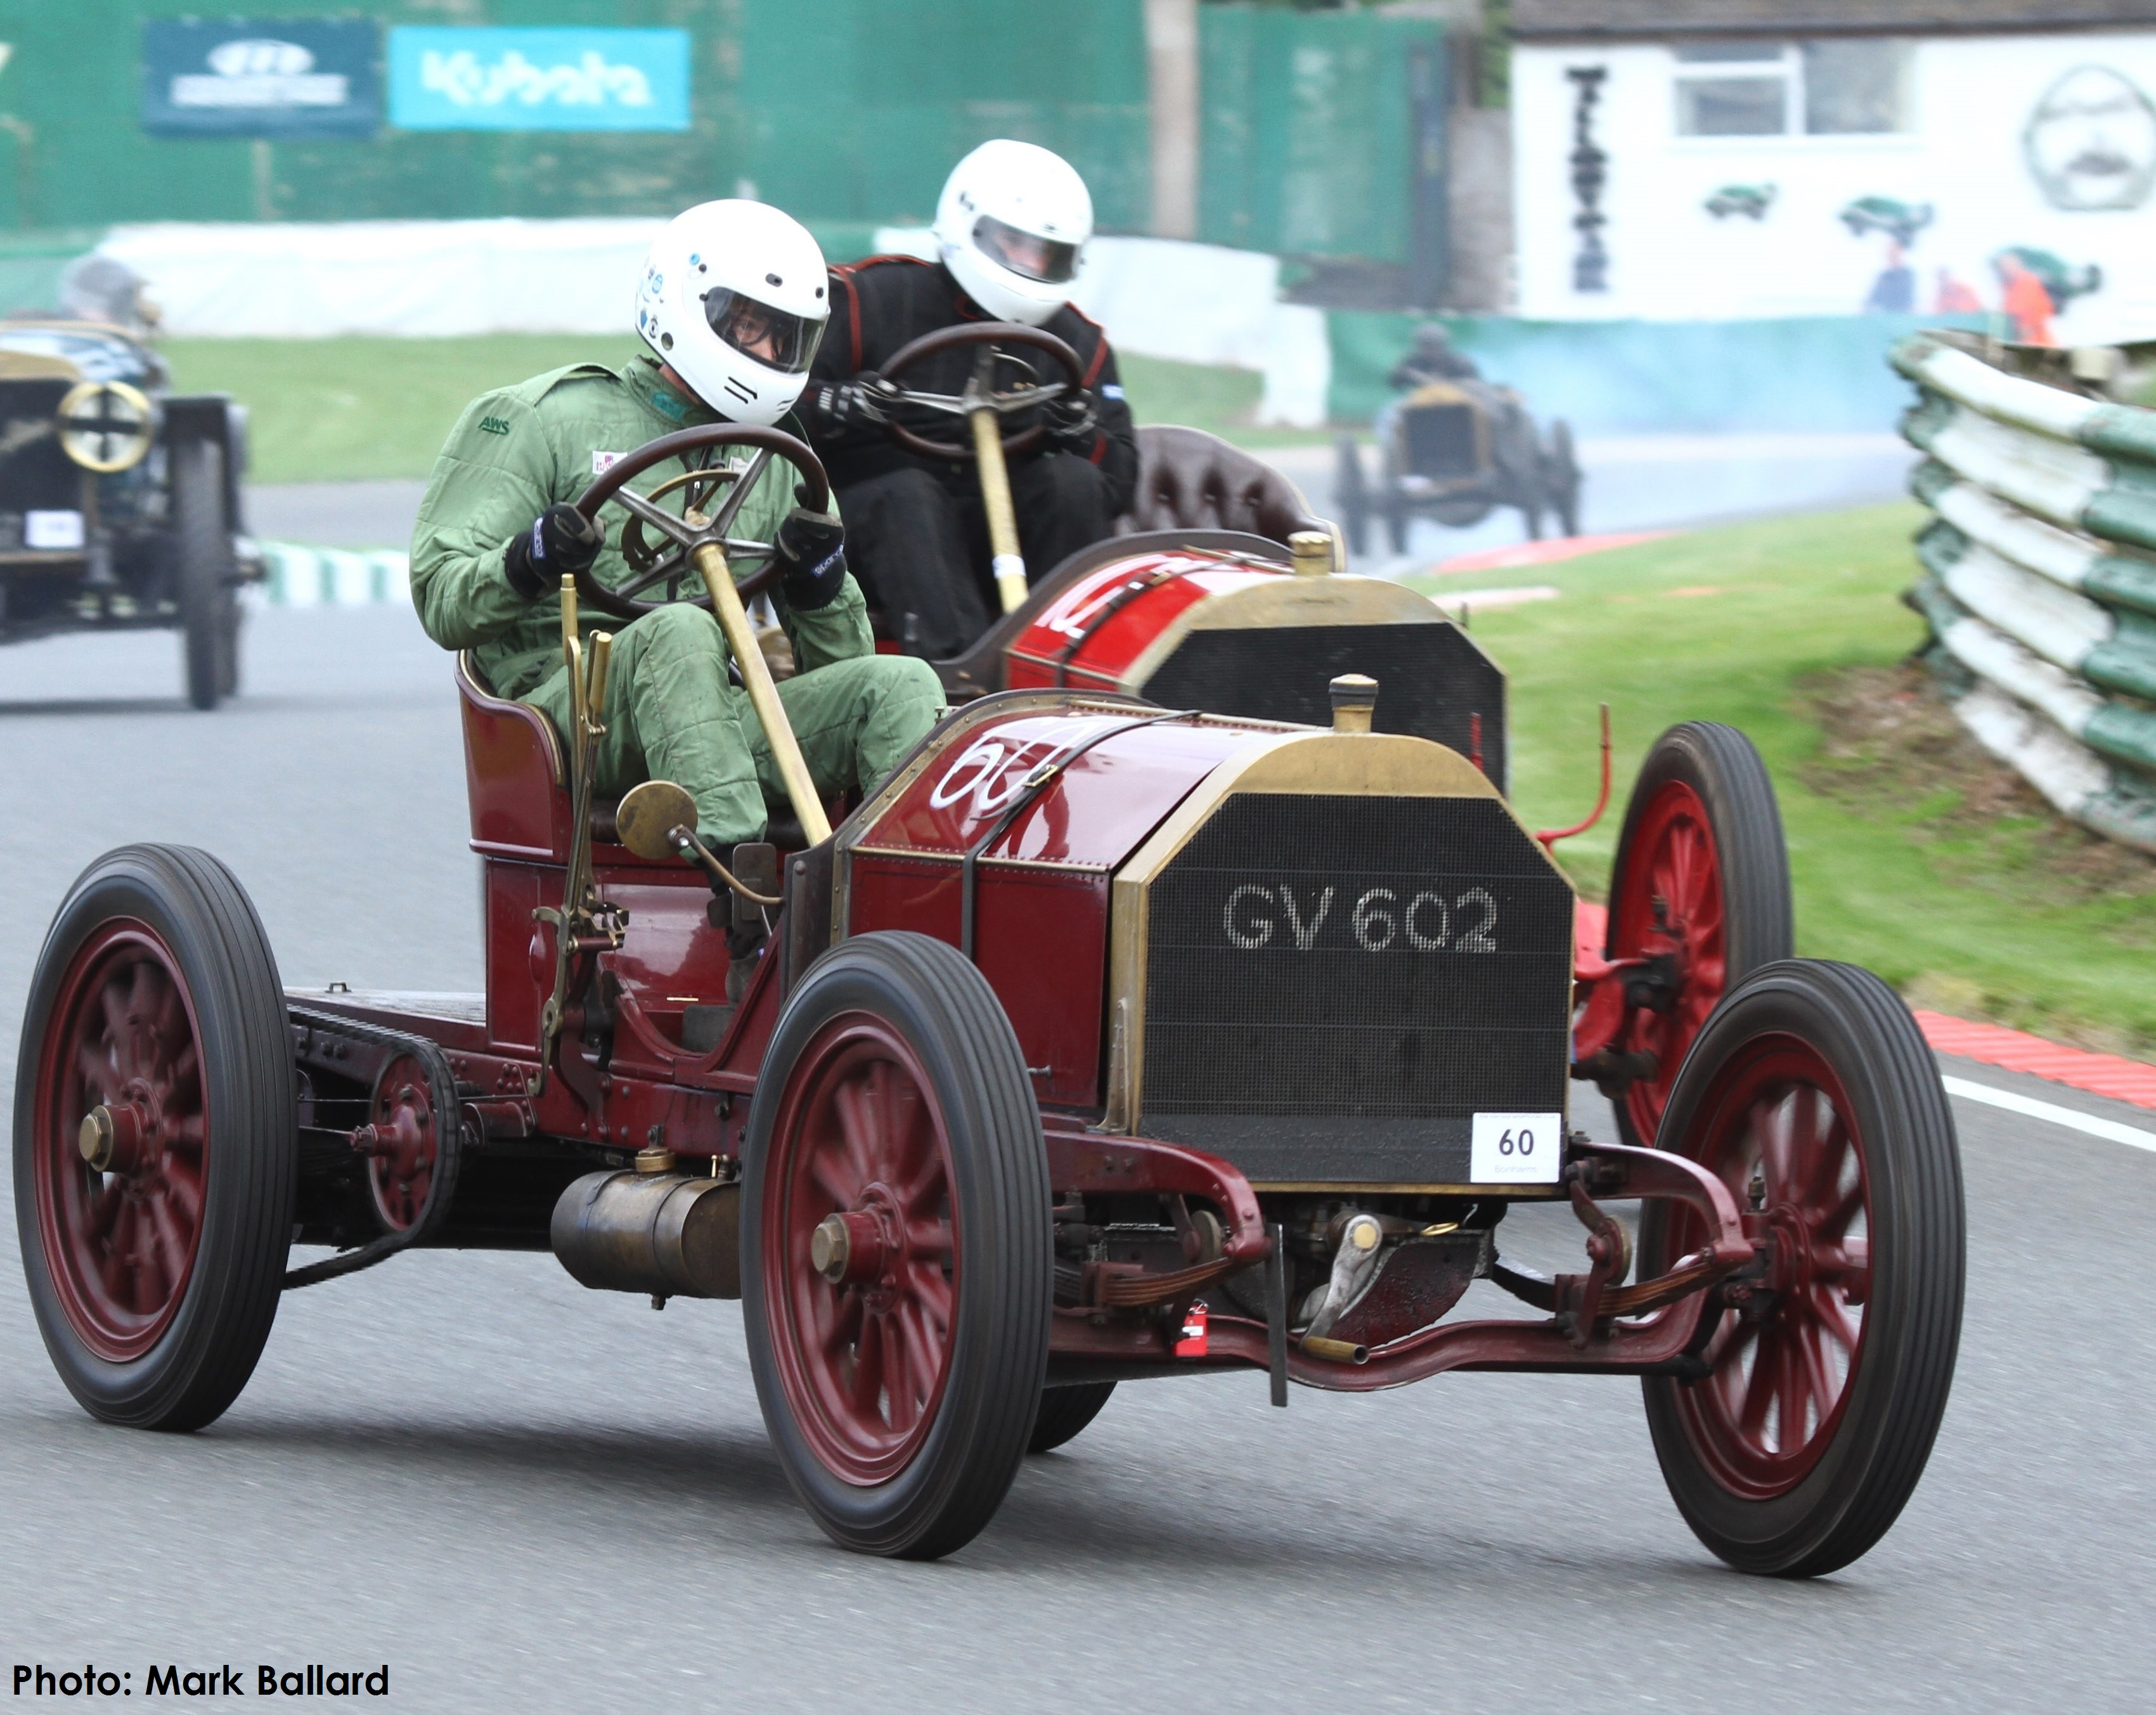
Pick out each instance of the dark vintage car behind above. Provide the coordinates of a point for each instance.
(119, 500)
(1454, 451)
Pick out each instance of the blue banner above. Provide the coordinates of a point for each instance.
(470, 78)
(261, 77)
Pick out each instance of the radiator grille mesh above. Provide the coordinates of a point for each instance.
(1343, 959)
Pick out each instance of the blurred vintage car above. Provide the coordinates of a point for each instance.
(120, 505)
(1454, 451)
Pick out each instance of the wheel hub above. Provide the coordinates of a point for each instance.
(852, 1247)
(120, 1137)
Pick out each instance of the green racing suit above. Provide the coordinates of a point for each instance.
(672, 711)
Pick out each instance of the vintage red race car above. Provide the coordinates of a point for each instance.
(1105, 1040)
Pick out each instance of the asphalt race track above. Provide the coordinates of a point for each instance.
(522, 1495)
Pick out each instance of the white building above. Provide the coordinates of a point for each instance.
(1790, 157)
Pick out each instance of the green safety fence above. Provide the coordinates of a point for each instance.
(2039, 584)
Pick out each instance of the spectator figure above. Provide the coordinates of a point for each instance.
(1432, 358)
(1955, 297)
(1894, 293)
(2027, 303)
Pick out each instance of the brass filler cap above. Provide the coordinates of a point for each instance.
(1354, 701)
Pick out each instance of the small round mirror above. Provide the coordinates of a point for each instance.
(647, 816)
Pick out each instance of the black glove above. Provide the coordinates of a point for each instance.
(861, 403)
(811, 556)
(1070, 421)
(561, 541)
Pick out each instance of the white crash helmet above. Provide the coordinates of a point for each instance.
(1011, 226)
(734, 297)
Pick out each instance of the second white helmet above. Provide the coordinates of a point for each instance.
(734, 296)
(1011, 226)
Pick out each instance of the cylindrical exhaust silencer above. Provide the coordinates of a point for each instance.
(665, 1234)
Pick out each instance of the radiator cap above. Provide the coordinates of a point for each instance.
(1354, 700)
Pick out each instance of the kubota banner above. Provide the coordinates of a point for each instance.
(470, 78)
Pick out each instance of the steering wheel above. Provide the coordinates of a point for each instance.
(668, 562)
(980, 389)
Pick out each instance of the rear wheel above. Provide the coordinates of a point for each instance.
(1350, 496)
(1561, 476)
(1700, 894)
(1065, 1412)
(1812, 1095)
(896, 1257)
(206, 572)
(154, 1129)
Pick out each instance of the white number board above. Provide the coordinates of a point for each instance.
(1517, 1148)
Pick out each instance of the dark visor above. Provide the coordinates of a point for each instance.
(776, 338)
(1026, 253)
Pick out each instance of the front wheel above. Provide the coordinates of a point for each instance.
(1812, 1095)
(154, 1139)
(897, 1246)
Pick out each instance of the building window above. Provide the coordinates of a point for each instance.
(1732, 90)
(1857, 84)
(1839, 87)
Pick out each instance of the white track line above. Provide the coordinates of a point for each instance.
(2132, 1136)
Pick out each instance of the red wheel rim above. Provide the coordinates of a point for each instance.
(400, 1172)
(1670, 906)
(120, 1241)
(863, 1362)
(1778, 1133)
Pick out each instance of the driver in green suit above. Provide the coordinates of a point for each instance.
(730, 305)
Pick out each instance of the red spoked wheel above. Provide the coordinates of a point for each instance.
(400, 1168)
(120, 1140)
(1823, 1370)
(867, 1265)
(896, 1246)
(1782, 1360)
(1700, 897)
(155, 1138)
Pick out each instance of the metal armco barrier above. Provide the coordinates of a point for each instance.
(2039, 567)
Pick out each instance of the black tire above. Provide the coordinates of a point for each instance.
(216, 1320)
(1350, 495)
(1561, 466)
(1726, 780)
(205, 573)
(968, 1438)
(1065, 1412)
(1867, 1452)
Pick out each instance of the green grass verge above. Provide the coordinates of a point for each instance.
(1721, 624)
(343, 410)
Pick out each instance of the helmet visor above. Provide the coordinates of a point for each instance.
(1025, 253)
(777, 339)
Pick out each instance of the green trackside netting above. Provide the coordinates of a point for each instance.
(1307, 130)
(847, 112)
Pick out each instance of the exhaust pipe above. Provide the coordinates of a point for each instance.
(665, 1234)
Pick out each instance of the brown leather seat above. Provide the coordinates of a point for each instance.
(1188, 480)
